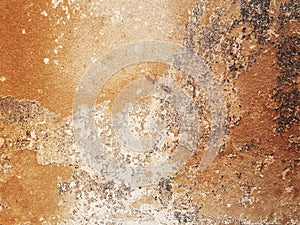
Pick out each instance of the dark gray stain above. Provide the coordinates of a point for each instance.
(256, 14)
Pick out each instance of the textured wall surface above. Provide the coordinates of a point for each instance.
(251, 47)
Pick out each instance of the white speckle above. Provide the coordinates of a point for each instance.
(33, 135)
(56, 3)
(66, 10)
(68, 132)
(117, 17)
(83, 15)
(289, 189)
(2, 79)
(94, 58)
(46, 60)
(229, 205)
(56, 49)
(23, 31)
(72, 184)
(102, 32)
(44, 13)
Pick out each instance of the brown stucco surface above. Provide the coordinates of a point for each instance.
(252, 47)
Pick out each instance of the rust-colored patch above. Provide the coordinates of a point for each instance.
(254, 91)
(27, 42)
(29, 191)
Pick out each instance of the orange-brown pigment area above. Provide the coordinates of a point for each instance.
(22, 54)
(29, 191)
(251, 142)
(27, 38)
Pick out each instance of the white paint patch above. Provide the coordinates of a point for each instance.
(56, 3)
(46, 60)
(44, 13)
(2, 79)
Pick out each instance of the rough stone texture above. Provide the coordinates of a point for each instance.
(251, 46)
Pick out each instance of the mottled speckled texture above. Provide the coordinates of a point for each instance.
(251, 46)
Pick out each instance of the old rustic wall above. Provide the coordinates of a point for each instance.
(252, 47)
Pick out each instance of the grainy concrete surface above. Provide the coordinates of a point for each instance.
(252, 47)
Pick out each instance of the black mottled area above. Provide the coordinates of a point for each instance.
(287, 92)
(13, 111)
(289, 11)
(182, 217)
(164, 192)
(212, 40)
(256, 13)
(63, 188)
